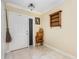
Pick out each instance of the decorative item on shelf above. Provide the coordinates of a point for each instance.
(31, 6)
(55, 19)
(39, 37)
(37, 20)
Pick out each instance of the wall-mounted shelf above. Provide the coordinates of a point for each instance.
(55, 19)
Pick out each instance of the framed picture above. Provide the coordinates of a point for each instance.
(37, 20)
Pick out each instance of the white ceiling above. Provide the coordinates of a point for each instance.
(40, 5)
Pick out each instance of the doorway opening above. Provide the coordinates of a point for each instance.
(30, 31)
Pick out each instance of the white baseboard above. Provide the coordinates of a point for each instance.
(61, 52)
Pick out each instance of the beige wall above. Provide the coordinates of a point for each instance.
(63, 38)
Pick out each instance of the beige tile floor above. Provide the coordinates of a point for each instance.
(41, 52)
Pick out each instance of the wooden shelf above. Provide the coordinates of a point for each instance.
(55, 22)
(56, 16)
(55, 19)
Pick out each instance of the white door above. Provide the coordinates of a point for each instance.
(19, 29)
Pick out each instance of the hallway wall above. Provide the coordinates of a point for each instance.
(63, 38)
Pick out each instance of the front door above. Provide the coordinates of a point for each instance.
(19, 30)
